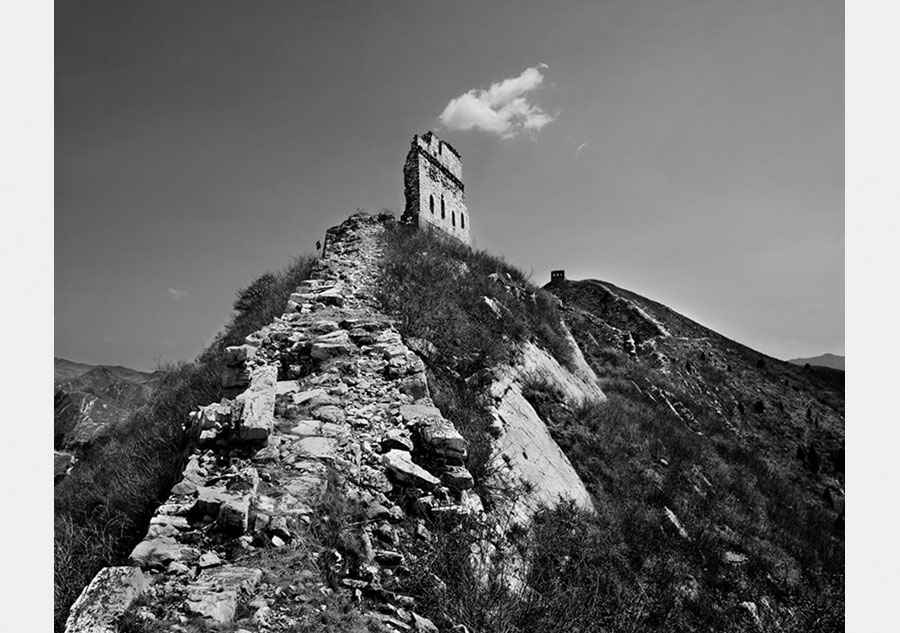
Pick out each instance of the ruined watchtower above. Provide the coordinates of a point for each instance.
(432, 182)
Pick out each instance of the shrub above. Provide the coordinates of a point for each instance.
(621, 569)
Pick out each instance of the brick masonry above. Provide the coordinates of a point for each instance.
(435, 193)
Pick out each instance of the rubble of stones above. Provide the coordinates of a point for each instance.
(326, 393)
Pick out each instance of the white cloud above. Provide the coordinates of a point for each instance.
(177, 294)
(580, 147)
(502, 109)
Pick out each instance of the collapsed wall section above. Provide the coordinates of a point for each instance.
(326, 398)
(328, 395)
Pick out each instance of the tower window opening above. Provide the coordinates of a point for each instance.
(453, 215)
(443, 211)
(431, 204)
(462, 220)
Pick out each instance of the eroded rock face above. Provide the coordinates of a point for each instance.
(526, 453)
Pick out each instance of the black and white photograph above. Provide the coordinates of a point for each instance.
(449, 317)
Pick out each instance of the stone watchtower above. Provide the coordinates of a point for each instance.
(432, 182)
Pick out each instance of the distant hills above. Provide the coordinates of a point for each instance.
(64, 369)
(832, 361)
(90, 399)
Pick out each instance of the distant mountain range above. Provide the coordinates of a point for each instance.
(825, 360)
(66, 369)
(90, 399)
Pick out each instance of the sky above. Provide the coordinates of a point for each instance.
(689, 150)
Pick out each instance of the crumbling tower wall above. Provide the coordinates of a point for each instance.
(435, 194)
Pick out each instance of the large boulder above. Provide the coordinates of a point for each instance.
(102, 603)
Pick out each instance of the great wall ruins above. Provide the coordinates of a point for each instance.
(329, 399)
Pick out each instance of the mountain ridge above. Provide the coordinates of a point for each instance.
(65, 369)
(832, 361)
(364, 429)
(89, 400)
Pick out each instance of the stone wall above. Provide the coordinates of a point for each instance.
(329, 394)
(435, 194)
(445, 154)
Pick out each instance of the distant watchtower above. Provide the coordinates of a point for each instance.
(432, 182)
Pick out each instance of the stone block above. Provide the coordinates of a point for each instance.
(441, 437)
(458, 477)
(102, 603)
(397, 439)
(331, 345)
(317, 447)
(158, 552)
(419, 413)
(401, 466)
(257, 405)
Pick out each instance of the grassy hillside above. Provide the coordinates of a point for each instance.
(745, 452)
(717, 472)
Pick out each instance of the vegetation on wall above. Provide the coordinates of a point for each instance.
(103, 506)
